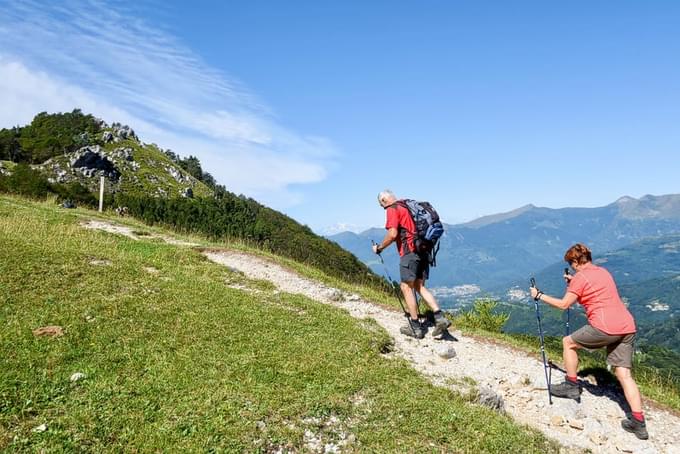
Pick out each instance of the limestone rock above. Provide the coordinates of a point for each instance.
(40, 428)
(445, 351)
(77, 376)
(91, 161)
(107, 137)
(576, 424)
(556, 421)
(489, 398)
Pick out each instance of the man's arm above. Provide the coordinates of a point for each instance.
(390, 237)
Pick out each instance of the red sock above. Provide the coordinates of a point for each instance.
(640, 416)
(572, 379)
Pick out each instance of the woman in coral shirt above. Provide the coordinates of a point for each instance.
(610, 325)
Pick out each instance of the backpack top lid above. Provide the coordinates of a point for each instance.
(425, 218)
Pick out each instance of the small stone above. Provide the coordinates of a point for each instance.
(97, 262)
(40, 428)
(335, 295)
(489, 398)
(623, 447)
(261, 425)
(576, 424)
(444, 351)
(556, 421)
(77, 376)
(598, 438)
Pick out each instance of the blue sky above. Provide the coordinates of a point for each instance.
(314, 107)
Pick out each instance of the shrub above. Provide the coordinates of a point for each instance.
(25, 181)
(482, 316)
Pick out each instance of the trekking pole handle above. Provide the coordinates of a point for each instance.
(373, 243)
(532, 282)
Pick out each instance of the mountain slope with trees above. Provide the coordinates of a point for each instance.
(65, 155)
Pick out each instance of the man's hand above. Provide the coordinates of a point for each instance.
(375, 248)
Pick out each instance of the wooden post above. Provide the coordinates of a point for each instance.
(101, 194)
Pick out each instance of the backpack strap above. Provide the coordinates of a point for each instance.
(403, 232)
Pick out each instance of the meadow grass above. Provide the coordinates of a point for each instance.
(177, 360)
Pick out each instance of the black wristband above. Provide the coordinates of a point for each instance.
(538, 295)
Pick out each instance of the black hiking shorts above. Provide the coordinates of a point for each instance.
(413, 266)
(619, 346)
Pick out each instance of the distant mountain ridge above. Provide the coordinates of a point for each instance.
(500, 248)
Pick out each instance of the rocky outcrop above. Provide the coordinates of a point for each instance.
(178, 175)
(119, 132)
(91, 161)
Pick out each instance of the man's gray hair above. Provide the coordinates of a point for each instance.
(386, 195)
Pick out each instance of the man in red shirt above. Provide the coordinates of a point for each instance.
(414, 267)
(610, 325)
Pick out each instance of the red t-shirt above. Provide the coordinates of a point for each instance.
(398, 217)
(596, 291)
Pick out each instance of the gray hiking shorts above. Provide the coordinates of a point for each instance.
(619, 346)
(413, 266)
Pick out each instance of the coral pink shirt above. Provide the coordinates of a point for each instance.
(596, 291)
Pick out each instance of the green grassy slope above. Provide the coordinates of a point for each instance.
(176, 360)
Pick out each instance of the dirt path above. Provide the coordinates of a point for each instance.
(593, 425)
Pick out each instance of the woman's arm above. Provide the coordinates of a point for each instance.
(567, 300)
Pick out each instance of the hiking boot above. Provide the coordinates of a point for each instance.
(441, 323)
(639, 428)
(413, 328)
(567, 389)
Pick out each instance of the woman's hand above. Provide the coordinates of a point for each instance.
(534, 291)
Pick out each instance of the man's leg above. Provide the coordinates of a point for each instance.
(429, 298)
(410, 298)
(441, 323)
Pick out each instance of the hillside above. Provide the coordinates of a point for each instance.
(76, 148)
(175, 352)
(63, 155)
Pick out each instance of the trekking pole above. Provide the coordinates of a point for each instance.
(397, 292)
(546, 368)
(566, 271)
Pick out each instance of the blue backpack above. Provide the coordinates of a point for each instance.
(428, 227)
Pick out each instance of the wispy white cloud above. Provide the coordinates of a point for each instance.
(55, 56)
